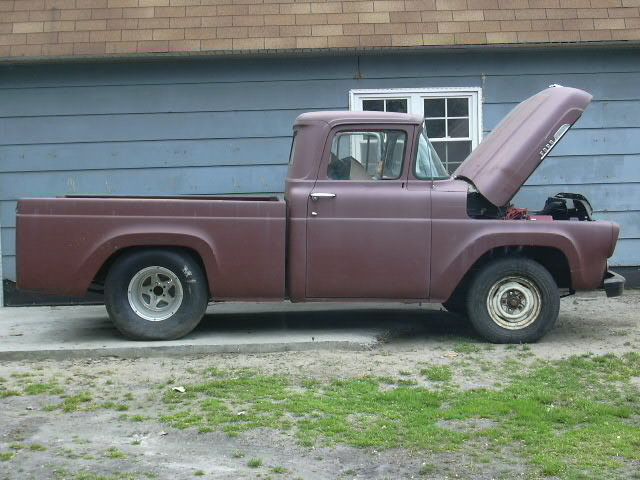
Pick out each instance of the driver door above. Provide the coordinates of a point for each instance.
(368, 235)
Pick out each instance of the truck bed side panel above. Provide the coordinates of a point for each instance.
(63, 242)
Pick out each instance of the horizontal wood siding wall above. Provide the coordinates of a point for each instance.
(223, 125)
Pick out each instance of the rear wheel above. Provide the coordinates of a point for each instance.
(156, 294)
(513, 300)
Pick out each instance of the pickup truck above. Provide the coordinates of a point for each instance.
(369, 213)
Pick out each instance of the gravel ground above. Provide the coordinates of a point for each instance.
(56, 445)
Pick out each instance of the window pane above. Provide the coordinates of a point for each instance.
(397, 105)
(435, 128)
(428, 165)
(458, 107)
(434, 107)
(452, 154)
(373, 155)
(458, 127)
(441, 148)
(458, 151)
(373, 105)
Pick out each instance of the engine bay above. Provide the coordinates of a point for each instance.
(562, 206)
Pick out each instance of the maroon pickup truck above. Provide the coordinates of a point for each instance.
(369, 213)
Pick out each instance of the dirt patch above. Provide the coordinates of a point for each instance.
(124, 439)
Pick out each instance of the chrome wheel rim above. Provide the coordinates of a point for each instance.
(155, 293)
(514, 303)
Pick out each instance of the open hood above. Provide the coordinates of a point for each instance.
(507, 157)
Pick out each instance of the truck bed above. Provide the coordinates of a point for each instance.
(241, 240)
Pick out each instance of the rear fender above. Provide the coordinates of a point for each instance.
(111, 246)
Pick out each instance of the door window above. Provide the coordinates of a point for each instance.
(367, 155)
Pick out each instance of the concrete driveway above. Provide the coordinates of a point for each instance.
(83, 331)
(31, 333)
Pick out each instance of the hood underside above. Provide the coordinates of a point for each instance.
(508, 156)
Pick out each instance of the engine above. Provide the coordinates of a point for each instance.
(562, 206)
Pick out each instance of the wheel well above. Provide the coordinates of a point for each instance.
(550, 258)
(97, 285)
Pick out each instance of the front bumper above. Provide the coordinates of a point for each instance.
(613, 284)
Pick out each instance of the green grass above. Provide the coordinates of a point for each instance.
(440, 373)
(6, 456)
(9, 393)
(113, 452)
(464, 347)
(41, 388)
(120, 407)
(73, 403)
(61, 474)
(254, 463)
(572, 419)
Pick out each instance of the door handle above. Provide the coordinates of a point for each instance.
(316, 196)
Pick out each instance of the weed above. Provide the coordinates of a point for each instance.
(407, 381)
(437, 373)
(16, 446)
(72, 403)
(214, 372)
(9, 393)
(427, 469)
(199, 473)
(464, 347)
(6, 456)
(279, 469)
(36, 447)
(40, 388)
(254, 463)
(113, 452)
(120, 407)
(66, 475)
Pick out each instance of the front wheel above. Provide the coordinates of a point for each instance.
(156, 294)
(513, 300)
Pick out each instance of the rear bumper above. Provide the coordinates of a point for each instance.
(613, 284)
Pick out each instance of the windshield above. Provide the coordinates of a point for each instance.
(428, 164)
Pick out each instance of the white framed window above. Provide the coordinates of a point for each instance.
(453, 116)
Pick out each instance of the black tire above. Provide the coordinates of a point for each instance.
(513, 300)
(156, 294)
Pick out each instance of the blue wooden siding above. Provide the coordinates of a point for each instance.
(223, 125)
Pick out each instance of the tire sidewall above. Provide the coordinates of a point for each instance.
(492, 273)
(185, 319)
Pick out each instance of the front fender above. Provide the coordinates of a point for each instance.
(459, 244)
